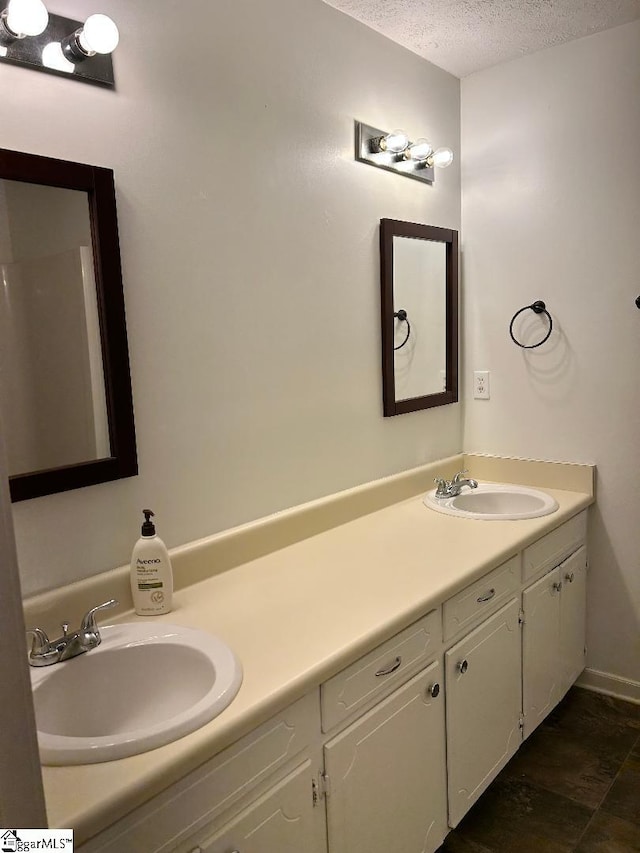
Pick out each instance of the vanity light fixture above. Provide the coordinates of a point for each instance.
(62, 46)
(396, 153)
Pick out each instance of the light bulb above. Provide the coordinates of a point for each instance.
(98, 35)
(419, 150)
(394, 142)
(441, 157)
(52, 57)
(27, 17)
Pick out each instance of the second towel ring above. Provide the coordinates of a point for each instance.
(401, 314)
(538, 307)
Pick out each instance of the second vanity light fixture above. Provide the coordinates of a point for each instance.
(395, 152)
(33, 38)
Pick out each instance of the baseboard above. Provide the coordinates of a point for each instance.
(611, 685)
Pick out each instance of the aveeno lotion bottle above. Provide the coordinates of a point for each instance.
(151, 573)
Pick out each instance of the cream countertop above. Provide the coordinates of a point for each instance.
(295, 617)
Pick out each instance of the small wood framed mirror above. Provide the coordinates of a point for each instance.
(65, 390)
(419, 279)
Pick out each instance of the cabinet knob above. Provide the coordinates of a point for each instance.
(434, 690)
(569, 577)
(557, 586)
(463, 666)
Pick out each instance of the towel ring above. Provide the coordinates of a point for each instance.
(401, 314)
(538, 307)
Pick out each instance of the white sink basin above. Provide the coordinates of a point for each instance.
(144, 686)
(494, 502)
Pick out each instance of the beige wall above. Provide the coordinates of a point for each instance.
(250, 258)
(551, 205)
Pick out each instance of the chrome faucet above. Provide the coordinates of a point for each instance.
(451, 488)
(45, 652)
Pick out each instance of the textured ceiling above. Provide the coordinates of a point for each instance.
(463, 36)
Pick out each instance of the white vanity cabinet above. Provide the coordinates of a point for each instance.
(484, 702)
(553, 642)
(386, 773)
(391, 750)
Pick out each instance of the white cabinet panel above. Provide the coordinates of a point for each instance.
(387, 775)
(541, 649)
(284, 819)
(484, 700)
(553, 639)
(573, 618)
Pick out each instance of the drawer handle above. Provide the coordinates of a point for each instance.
(434, 690)
(463, 666)
(569, 577)
(389, 669)
(486, 596)
(557, 586)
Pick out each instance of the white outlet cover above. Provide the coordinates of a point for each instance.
(481, 389)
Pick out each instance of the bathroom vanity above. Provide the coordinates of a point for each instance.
(393, 665)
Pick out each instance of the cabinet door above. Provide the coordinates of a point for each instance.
(541, 665)
(484, 700)
(387, 775)
(573, 613)
(283, 819)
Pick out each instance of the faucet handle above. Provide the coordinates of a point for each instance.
(460, 474)
(441, 486)
(40, 640)
(89, 625)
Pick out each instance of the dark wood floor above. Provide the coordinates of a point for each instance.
(573, 787)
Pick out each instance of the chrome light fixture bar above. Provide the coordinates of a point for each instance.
(396, 153)
(64, 47)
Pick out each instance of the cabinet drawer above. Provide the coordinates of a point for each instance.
(199, 798)
(381, 671)
(481, 598)
(553, 548)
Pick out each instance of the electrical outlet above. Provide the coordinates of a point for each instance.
(481, 385)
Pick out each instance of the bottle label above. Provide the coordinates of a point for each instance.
(148, 585)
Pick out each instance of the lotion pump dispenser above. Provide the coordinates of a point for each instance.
(151, 573)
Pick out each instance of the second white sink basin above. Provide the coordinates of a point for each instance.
(495, 502)
(144, 686)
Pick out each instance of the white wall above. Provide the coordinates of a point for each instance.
(249, 240)
(551, 205)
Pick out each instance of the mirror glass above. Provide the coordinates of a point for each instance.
(66, 409)
(420, 354)
(419, 266)
(52, 392)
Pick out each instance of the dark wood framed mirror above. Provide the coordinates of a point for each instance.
(66, 407)
(419, 280)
